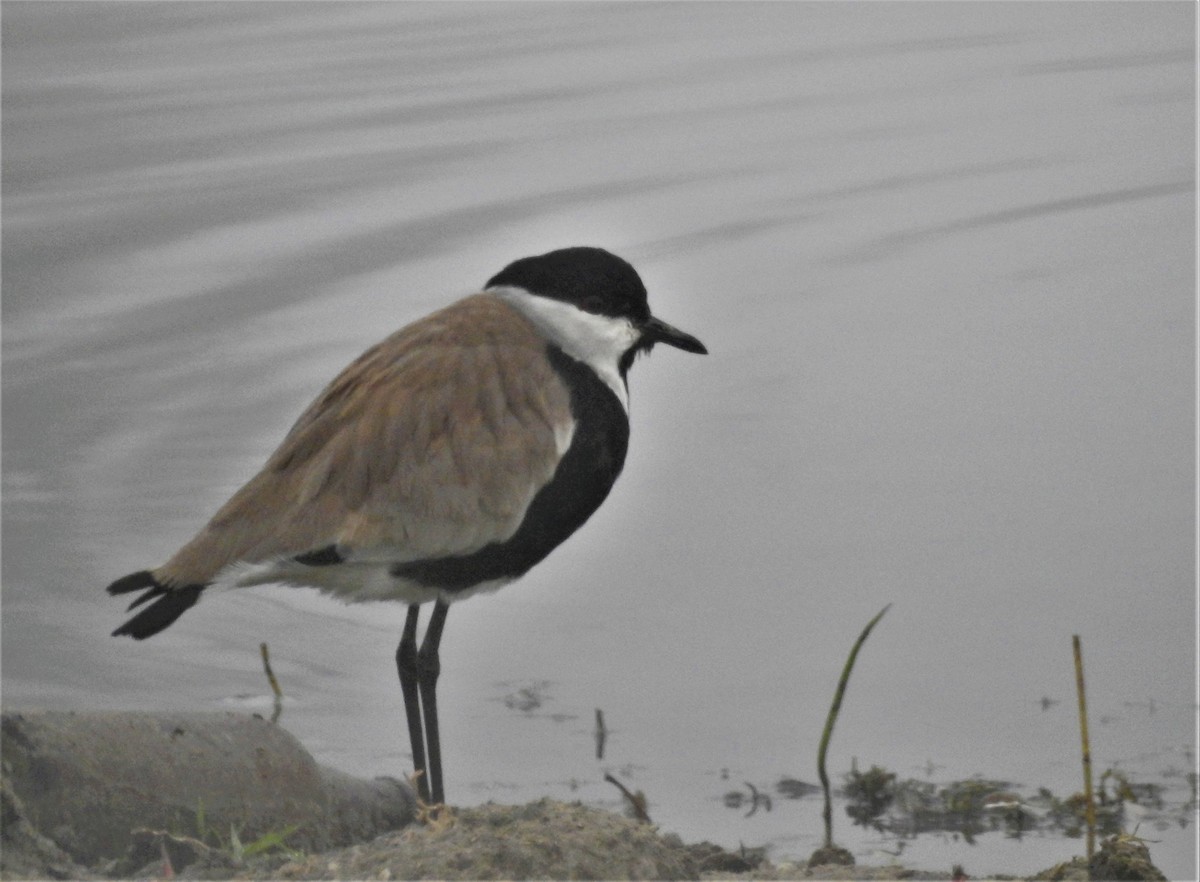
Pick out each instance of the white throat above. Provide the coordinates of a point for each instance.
(598, 341)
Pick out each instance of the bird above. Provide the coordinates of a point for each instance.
(447, 460)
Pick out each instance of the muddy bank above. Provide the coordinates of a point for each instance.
(547, 840)
(224, 796)
(84, 781)
(542, 840)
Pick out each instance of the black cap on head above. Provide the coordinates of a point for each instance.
(593, 279)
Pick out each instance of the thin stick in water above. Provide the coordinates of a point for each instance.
(1089, 802)
(266, 657)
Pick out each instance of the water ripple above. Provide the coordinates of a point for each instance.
(885, 246)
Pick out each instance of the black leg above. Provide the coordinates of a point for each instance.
(406, 665)
(428, 668)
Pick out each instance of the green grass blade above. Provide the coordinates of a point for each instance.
(832, 718)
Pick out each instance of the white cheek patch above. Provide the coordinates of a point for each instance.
(598, 341)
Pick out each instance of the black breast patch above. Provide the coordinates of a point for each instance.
(581, 482)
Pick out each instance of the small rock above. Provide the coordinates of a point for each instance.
(831, 855)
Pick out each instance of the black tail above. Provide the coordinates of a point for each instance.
(171, 603)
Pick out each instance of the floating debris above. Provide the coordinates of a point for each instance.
(794, 788)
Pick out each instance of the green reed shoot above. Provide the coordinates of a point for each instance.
(832, 718)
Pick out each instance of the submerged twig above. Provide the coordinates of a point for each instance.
(1089, 802)
(832, 718)
(266, 657)
(757, 799)
(601, 734)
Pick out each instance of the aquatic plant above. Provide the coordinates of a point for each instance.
(831, 719)
(869, 794)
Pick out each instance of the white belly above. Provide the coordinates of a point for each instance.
(350, 581)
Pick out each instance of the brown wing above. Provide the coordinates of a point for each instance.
(431, 443)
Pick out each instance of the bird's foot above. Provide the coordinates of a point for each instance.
(435, 818)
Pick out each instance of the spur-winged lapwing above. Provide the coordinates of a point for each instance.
(446, 460)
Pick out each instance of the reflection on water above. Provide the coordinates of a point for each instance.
(944, 261)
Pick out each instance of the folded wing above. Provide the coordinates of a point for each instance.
(432, 443)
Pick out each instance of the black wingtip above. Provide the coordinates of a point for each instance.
(171, 604)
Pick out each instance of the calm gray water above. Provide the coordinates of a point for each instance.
(943, 257)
